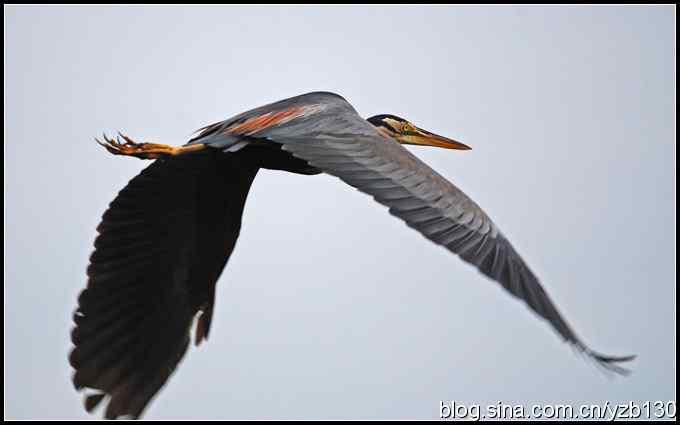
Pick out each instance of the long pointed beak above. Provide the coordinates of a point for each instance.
(425, 138)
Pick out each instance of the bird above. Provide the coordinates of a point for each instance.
(165, 239)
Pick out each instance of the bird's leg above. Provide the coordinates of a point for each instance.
(144, 150)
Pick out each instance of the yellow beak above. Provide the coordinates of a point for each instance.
(425, 138)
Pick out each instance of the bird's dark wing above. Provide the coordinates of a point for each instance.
(162, 244)
(327, 132)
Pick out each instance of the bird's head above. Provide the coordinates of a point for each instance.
(408, 134)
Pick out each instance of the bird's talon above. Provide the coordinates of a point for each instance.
(126, 146)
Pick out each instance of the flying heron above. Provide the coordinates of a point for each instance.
(166, 237)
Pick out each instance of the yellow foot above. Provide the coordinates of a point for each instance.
(144, 150)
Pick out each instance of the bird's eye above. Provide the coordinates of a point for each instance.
(406, 128)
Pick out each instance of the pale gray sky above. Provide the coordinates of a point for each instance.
(571, 115)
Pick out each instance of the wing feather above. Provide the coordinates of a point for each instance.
(161, 246)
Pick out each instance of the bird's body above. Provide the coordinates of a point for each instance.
(166, 238)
